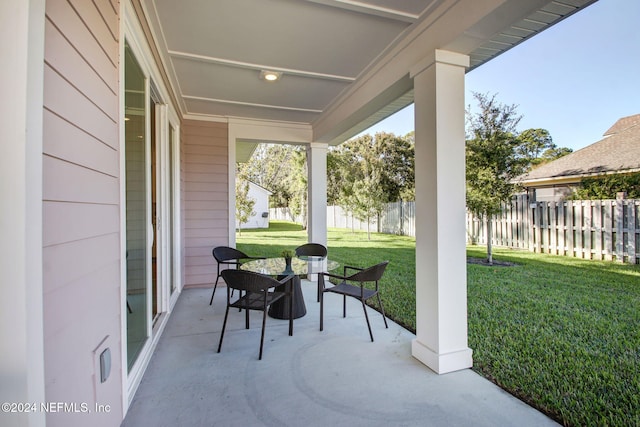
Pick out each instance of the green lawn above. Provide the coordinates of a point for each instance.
(560, 333)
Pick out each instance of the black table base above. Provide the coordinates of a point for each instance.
(280, 308)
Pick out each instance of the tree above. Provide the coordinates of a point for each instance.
(397, 165)
(297, 184)
(361, 190)
(271, 166)
(244, 203)
(493, 159)
(537, 147)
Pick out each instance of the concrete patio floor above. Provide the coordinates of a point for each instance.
(337, 377)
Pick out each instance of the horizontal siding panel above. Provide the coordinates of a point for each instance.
(65, 100)
(64, 17)
(207, 242)
(204, 144)
(66, 61)
(84, 297)
(207, 223)
(204, 251)
(70, 182)
(65, 141)
(209, 271)
(206, 150)
(208, 196)
(92, 18)
(214, 162)
(205, 196)
(204, 232)
(68, 262)
(206, 205)
(219, 174)
(207, 186)
(202, 260)
(110, 17)
(69, 352)
(195, 214)
(68, 222)
(195, 128)
(204, 177)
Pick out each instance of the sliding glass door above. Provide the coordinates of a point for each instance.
(136, 202)
(150, 157)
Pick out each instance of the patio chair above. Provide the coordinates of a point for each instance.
(359, 291)
(225, 255)
(259, 294)
(311, 249)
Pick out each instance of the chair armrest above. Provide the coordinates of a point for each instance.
(286, 279)
(335, 276)
(351, 268)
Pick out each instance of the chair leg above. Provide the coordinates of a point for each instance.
(264, 321)
(224, 325)
(344, 306)
(382, 310)
(366, 316)
(214, 289)
(291, 296)
(246, 318)
(321, 308)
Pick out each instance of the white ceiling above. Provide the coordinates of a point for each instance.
(214, 50)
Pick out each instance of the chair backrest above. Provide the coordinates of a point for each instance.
(311, 249)
(371, 274)
(225, 253)
(249, 281)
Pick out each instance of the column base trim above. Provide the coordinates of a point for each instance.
(442, 363)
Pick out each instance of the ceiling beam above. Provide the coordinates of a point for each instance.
(250, 104)
(370, 9)
(258, 67)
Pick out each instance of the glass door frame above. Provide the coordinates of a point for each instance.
(167, 134)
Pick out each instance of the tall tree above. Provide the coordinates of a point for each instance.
(361, 190)
(244, 203)
(493, 160)
(537, 147)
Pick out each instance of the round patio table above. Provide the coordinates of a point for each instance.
(300, 266)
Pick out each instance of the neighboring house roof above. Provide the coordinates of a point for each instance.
(619, 151)
(260, 188)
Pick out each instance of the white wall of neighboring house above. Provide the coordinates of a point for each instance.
(261, 197)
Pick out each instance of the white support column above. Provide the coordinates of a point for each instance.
(317, 195)
(441, 271)
(22, 377)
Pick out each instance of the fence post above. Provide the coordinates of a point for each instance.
(597, 229)
(620, 227)
(631, 232)
(553, 229)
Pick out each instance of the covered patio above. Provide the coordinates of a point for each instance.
(126, 122)
(337, 377)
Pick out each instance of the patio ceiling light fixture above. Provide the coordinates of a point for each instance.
(270, 76)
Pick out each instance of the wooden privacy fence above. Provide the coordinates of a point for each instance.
(590, 229)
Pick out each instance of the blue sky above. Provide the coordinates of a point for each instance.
(575, 79)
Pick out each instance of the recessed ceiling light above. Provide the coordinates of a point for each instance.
(270, 76)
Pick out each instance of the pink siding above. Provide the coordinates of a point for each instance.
(205, 197)
(81, 213)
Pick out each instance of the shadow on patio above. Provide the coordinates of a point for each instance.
(337, 377)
